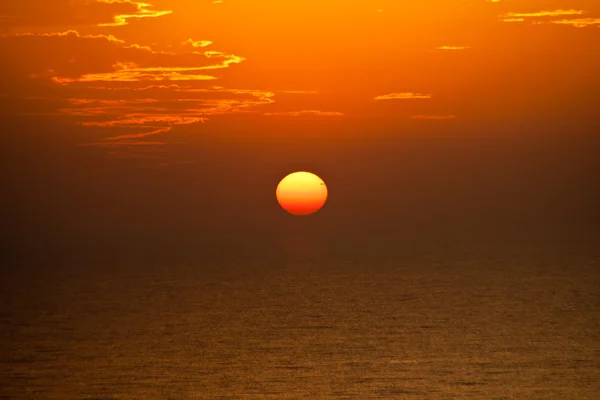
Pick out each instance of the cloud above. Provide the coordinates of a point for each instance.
(125, 93)
(434, 117)
(125, 72)
(548, 17)
(403, 96)
(28, 13)
(578, 22)
(145, 116)
(452, 48)
(313, 113)
(226, 59)
(198, 43)
(74, 58)
(553, 13)
(142, 10)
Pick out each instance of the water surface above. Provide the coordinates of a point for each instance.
(489, 325)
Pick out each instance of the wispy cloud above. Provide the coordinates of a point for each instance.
(314, 113)
(549, 17)
(70, 13)
(127, 93)
(113, 60)
(146, 117)
(158, 115)
(143, 10)
(537, 14)
(403, 96)
(226, 59)
(578, 22)
(452, 48)
(198, 43)
(125, 72)
(71, 32)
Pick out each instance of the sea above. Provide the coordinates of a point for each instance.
(454, 322)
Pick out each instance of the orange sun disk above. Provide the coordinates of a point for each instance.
(301, 193)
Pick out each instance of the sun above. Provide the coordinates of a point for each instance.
(301, 193)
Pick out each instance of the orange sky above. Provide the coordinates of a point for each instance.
(118, 85)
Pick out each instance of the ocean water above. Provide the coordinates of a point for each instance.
(485, 325)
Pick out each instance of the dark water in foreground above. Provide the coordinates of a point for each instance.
(487, 325)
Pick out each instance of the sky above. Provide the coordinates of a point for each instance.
(170, 123)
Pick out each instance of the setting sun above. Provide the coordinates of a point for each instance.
(301, 193)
